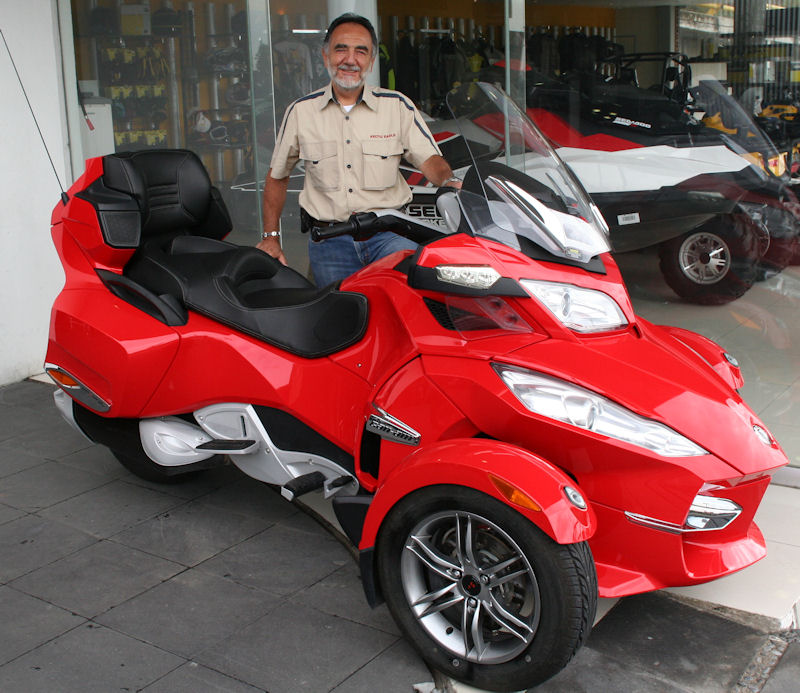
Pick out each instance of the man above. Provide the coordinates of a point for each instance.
(351, 139)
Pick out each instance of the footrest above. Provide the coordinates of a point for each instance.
(340, 481)
(230, 447)
(303, 484)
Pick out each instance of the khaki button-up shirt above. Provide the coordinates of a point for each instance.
(352, 159)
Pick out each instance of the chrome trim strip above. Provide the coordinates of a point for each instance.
(81, 393)
(388, 427)
(672, 528)
(652, 523)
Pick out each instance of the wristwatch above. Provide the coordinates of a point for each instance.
(270, 234)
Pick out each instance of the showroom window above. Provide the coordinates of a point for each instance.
(681, 121)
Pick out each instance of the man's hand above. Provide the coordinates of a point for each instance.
(438, 172)
(272, 246)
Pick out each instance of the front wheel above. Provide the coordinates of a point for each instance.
(484, 595)
(714, 263)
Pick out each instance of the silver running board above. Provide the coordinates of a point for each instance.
(234, 429)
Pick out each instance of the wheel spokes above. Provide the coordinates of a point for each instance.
(506, 578)
(434, 606)
(507, 620)
(464, 538)
(432, 558)
(476, 631)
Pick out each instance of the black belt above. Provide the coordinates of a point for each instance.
(307, 222)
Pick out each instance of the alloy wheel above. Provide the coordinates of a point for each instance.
(470, 586)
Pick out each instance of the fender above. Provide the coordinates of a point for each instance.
(475, 462)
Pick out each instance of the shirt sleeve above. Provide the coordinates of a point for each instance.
(419, 142)
(287, 149)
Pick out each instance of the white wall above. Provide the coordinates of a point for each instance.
(30, 274)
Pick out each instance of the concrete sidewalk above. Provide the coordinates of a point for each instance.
(109, 583)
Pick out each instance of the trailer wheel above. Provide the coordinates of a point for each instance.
(484, 595)
(713, 264)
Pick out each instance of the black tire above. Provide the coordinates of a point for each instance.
(546, 597)
(142, 466)
(121, 436)
(783, 242)
(714, 263)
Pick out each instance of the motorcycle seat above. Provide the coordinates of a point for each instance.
(180, 253)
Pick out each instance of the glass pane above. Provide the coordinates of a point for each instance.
(176, 75)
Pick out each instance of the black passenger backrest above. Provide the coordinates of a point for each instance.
(172, 190)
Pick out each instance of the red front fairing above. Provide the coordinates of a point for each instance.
(665, 374)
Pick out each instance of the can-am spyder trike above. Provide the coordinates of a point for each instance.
(502, 437)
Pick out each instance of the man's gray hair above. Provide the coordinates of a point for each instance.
(351, 18)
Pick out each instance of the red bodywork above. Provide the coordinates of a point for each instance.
(473, 430)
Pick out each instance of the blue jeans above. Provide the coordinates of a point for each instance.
(336, 258)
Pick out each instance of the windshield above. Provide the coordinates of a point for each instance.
(517, 190)
(720, 112)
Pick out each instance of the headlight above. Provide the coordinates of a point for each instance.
(473, 277)
(579, 309)
(562, 401)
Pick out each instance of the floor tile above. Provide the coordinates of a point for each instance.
(394, 670)
(98, 460)
(15, 421)
(27, 622)
(27, 394)
(651, 632)
(247, 496)
(92, 580)
(31, 542)
(190, 612)
(7, 513)
(89, 659)
(269, 654)
(53, 440)
(593, 672)
(14, 461)
(280, 560)
(196, 486)
(191, 533)
(45, 485)
(341, 594)
(194, 678)
(111, 508)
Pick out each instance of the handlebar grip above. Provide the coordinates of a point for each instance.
(359, 226)
(343, 228)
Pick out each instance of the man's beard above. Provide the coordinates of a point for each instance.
(345, 82)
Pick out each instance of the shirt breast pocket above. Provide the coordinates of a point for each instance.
(381, 163)
(322, 164)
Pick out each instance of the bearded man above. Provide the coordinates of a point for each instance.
(351, 138)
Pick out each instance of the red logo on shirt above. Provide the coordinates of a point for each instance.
(383, 137)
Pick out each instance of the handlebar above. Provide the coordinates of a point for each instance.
(366, 224)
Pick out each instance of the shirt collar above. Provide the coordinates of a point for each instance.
(367, 96)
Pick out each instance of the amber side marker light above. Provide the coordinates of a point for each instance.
(62, 378)
(513, 495)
